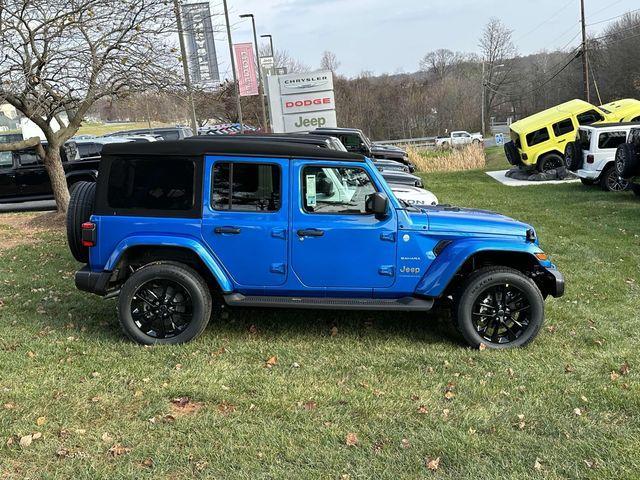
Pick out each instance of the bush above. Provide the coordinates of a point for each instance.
(471, 157)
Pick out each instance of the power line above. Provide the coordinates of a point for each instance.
(606, 8)
(546, 21)
(613, 18)
(617, 32)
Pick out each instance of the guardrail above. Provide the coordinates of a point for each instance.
(425, 142)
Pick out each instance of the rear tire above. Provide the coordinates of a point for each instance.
(627, 162)
(573, 156)
(551, 161)
(81, 204)
(164, 303)
(514, 320)
(610, 181)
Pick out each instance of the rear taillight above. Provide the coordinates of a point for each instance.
(88, 234)
(590, 159)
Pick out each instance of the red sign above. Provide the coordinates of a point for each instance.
(246, 69)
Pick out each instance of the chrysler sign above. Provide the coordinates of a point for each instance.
(301, 102)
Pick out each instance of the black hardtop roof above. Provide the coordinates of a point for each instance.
(613, 124)
(224, 146)
(338, 129)
(266, 137)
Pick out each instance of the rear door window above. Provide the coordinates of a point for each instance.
(611, 139)
(147, 185)
(589, 117)
(537, 137)
(563, 127)
(246, 187)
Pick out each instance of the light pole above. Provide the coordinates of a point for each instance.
(270, 43)
(185, 68)
(260, 86)
(233, 66)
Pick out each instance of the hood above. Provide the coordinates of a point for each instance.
(445, 219)
(387, 152)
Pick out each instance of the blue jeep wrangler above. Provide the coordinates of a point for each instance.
(173, 227)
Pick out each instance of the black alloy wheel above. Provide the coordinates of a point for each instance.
(501, 314)
(611, 181)
(162, 308)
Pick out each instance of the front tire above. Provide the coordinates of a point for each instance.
(499, 307)
(164, 303)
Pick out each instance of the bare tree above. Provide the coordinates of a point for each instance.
(282, 59)
(329, 61)
(497, 51)
(442, 62)
(60, 57)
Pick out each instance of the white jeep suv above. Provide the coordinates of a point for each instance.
(592, 156)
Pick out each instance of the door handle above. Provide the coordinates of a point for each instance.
(310, 232)
(227, 230)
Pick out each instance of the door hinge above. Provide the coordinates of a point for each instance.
(279, 233)
(278, 268)
(388, 236)
(387, 270)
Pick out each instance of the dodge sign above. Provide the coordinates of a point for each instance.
(308, 102)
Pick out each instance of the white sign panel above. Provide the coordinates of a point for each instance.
(306, 82)
(303, 122)
(301, 102)
(266, 62)
(308, 102)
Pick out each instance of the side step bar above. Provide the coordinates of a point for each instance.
(405, 304)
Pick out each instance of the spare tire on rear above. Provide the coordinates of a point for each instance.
(512, 154)
(573, 156)
(81, 206)
(627, 161)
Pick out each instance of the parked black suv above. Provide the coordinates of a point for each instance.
(627, 161)
(23, 177)
(356, 141)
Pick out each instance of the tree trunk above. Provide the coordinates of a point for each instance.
(53, 164)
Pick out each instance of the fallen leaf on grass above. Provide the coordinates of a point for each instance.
(26, 440)
(117, 450)
(9, 406)
(184, 406)
(253, 329)
(482, 347)
(405, 443)
(271, 362)
(624, 368)
(310, 405)
(577, 412)
(593, 464)
(41, 421)
(377, 446)
(433, 463)
(351, 439)
(422, 409)
(147, 462)
(537, 465)
(334, 331)
(569, 369)
(415, 397)
(226, 408)
(614, 376)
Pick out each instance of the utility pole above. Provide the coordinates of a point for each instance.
(585, 60)
(260, 86)
(484, 88)
(185, 68)
(233, 67)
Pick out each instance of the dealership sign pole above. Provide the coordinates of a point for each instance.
(185, 67)
(233, 67)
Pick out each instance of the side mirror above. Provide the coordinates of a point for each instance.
(377, 203)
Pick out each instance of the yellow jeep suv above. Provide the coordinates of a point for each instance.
(540, 139)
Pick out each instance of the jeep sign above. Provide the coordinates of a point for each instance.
(301, 102)
(303, 122)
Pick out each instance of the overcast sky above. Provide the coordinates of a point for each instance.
(385, 36)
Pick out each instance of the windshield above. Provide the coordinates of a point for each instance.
(604, 110)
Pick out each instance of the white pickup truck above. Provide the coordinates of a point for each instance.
(458, 139)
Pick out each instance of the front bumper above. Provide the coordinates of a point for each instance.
(92, 282)
(554, 282)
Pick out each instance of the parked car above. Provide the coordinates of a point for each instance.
(173, 227)
(23, 177)
(592, 155)
(627, 160)
(396, 177)
(356, 141)
(459, 139)
(540, 140)
(415, 196)
(164, 133)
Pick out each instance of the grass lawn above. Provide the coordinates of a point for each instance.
(565, 407)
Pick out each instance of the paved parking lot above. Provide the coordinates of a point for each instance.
(39, 206)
